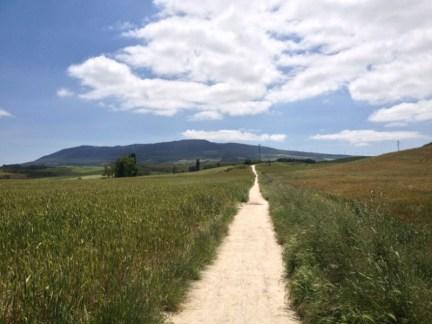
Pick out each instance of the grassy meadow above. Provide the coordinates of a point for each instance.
(398, 183)
(94, 172)
(109, 250)
(357, 237)
(39, 171)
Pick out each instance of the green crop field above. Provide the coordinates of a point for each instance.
(22, 172)
(109, 250)
(357, 237)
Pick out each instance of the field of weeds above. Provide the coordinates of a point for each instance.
(352, 260)
(109, 250)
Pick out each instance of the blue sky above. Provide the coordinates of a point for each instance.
(121, 72)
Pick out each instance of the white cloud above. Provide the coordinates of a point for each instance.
(109, 79)
(226, 135)
(239, 57)
(407, 78)
(4, 113)
(366, 136)
(207, 115)
(404, 113)
(63, 92)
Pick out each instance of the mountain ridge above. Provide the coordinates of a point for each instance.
(173, 151)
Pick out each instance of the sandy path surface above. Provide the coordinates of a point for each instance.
(245, 283)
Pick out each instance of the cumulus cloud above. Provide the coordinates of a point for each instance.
(366, 136)
(63, 92)
(4, 113)
(227, 135)
(207, 115)
(109, 79)
(404, 113)
(240, 57)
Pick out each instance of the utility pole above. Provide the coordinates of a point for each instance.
(398, 145)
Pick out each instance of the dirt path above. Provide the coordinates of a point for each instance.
(245, 283)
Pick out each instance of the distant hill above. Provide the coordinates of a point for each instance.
(170, 152)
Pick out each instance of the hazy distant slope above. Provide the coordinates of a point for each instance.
(172, 152)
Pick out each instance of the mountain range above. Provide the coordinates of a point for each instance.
(172, 152)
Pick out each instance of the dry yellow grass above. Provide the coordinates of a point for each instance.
(400, 183)
(347, 263)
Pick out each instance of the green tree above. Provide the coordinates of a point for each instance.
(126, 166)
(195, 167)
(133, 156)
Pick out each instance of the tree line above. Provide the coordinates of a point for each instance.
(126, 166)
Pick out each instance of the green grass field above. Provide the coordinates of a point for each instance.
(353, 257)
(109, 250)
(22, 172)
(93, 172)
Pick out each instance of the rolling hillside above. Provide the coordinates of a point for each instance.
(400, 182)
(173, 152)
(357, 236)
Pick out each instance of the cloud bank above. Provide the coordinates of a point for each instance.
(404, 113)
(234, 58)
(226, 135)
(366, 136)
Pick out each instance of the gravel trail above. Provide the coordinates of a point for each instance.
(245, 284)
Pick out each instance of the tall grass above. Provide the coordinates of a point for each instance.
(109, 251)
(347, 263)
